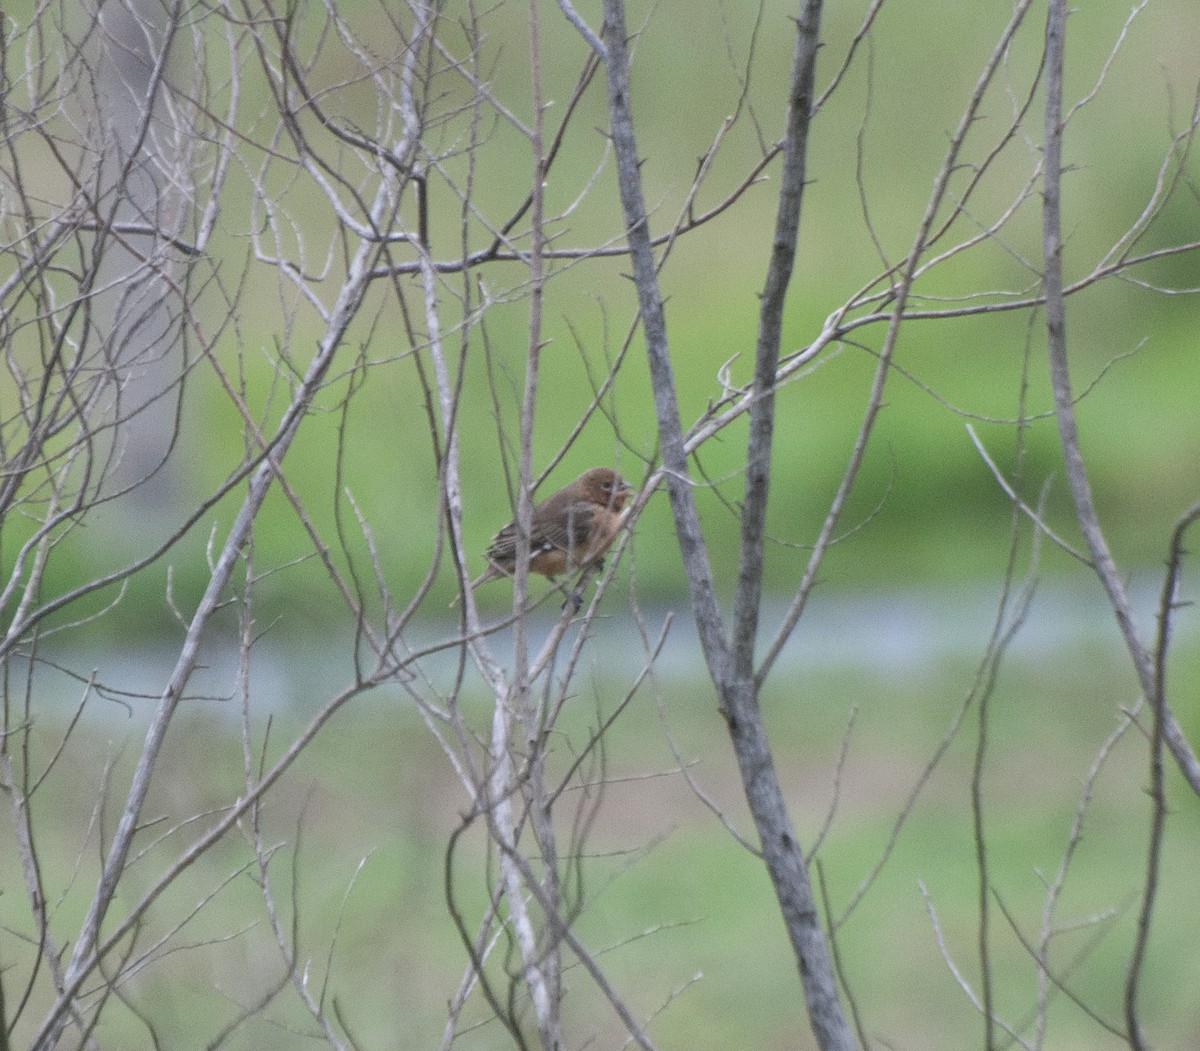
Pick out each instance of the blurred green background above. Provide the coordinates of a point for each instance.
(898, 624)
(940, 514)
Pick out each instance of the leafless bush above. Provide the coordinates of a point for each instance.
(302, 225)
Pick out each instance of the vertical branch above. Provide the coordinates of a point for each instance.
(548, 966)
(738, 693)
(1076, 471)
(770, 329)
(541, 971)
(499, 785)
(515, 706)
(1149, 671)
(1161, 713)
(20, 800)
(654, 328)
(532, 362)
(1056, 340)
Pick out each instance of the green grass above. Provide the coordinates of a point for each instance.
(683, 918)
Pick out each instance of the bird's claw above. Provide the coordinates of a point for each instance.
(574, 599)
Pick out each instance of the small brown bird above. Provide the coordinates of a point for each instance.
(569, 531)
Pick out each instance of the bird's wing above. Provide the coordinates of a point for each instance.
(504, 545)
(565, 526)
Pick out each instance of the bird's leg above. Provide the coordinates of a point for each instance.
(575, 595)
(572, 597)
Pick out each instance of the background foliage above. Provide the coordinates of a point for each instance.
(892, 643)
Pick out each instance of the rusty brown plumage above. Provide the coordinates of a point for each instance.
(569, 531)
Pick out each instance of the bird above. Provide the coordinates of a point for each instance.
(570, 531)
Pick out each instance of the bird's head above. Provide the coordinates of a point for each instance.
(602, 485)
